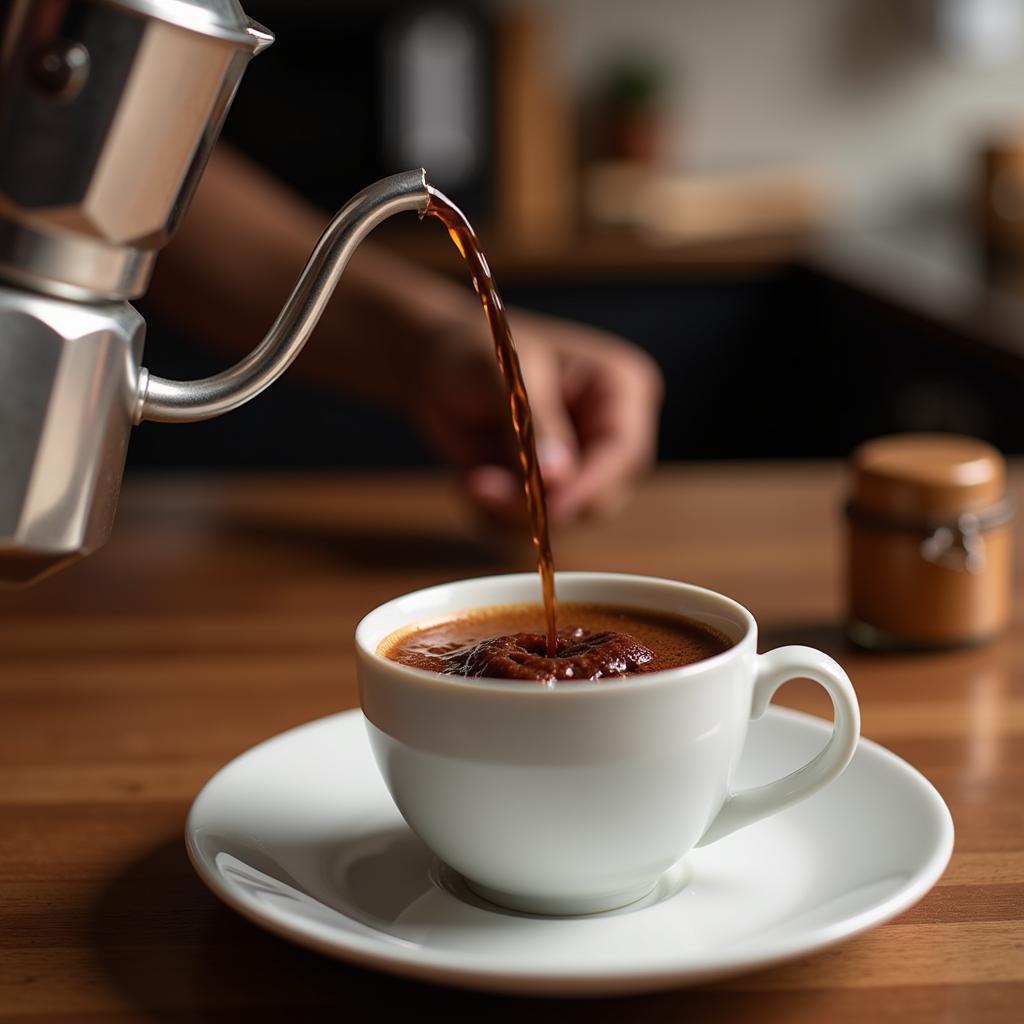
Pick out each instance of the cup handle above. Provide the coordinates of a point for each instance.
(773, 669)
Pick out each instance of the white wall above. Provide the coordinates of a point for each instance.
(857, 89)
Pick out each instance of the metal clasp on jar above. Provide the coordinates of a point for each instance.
(956, 546)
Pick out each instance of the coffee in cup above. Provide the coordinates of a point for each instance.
(595, 642)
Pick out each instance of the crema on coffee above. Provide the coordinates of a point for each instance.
(594, 642)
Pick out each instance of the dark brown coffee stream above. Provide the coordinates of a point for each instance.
(466, 242)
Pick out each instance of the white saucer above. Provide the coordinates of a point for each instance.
(300, 836)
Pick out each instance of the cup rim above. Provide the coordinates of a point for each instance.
(483, 684)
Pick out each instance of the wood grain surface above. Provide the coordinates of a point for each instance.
(222, 612)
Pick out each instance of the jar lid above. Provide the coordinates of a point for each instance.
(927, 475)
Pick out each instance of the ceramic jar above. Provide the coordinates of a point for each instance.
(930, 533)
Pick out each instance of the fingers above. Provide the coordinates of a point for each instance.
(600, 488)
(616, 420)
(498, 492)
(618, 437)
(555, 433)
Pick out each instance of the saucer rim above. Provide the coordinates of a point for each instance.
(457, 967)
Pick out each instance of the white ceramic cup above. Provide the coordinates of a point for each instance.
(575, 798)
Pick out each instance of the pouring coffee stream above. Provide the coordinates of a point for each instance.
(464, 237)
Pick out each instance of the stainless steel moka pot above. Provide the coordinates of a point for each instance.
(108, 112)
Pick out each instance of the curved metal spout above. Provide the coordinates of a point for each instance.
(172, 401)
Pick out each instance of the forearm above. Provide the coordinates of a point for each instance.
(241, 248)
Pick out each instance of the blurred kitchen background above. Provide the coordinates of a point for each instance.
(811, 212)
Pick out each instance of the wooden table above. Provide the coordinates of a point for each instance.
(222, 613)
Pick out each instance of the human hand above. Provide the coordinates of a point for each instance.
(595, 400)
